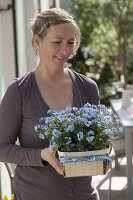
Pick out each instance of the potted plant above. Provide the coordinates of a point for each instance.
(80, 135)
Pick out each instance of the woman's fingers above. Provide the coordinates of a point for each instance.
(107, 164)
(47, 154)
(56, 164)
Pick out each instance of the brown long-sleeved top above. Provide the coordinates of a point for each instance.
(20, 110)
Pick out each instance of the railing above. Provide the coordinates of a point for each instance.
(6, 177)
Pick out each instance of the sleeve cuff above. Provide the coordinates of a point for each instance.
(39, 161)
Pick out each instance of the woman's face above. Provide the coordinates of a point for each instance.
(56, 47)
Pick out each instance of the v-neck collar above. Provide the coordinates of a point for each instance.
(45, 105)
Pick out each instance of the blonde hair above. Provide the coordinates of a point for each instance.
(54, 16)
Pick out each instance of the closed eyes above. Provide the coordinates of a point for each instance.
(59, 42)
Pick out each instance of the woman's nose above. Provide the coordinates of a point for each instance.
(65, 49)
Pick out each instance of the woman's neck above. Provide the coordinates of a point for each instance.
(53, 75)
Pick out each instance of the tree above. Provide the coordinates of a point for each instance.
(120, 12)
(98, 32)
(106, 27)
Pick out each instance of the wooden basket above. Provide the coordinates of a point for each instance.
(83, 168)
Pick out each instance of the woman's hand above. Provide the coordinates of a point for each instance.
(107, 165)
(47, 154)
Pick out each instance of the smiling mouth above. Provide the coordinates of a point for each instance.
(60, 59)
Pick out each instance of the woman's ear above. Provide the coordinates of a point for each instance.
(36, 41)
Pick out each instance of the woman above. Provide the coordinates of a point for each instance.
(38, 174)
